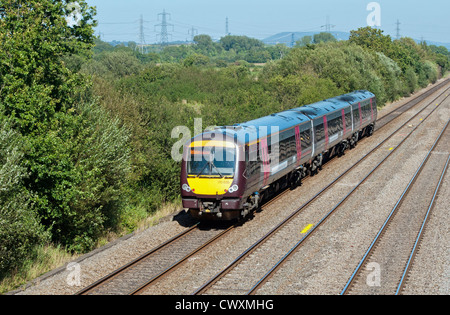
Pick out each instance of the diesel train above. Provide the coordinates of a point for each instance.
(230, 171)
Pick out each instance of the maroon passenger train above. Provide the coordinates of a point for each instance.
(230, 171)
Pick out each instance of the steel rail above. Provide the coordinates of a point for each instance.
(392, 214)
(410, 104)
(110, 276)
(143, 287)
(419, 236)
(266, 277)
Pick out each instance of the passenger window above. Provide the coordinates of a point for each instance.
(306, 139)
(320, 132)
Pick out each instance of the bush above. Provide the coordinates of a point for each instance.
(77, 170)
(20, 228)
(293, 91)
(391, 73)
(116, 64)
(196, 60)
(341, 68)
(412, 82)
(431, 71)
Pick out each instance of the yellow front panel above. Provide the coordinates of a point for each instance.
(209, 186)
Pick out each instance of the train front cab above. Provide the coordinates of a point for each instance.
(210, 186)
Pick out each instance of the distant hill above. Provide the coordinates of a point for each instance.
(429, 43)
(286, 37)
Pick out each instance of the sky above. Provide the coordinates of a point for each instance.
(119, 19)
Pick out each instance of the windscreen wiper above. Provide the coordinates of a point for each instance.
(221, 176)
(198, 175)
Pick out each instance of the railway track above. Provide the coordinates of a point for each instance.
(396, 242)
(144, 271)
(415, 248)
(387, 118)
(235, 278)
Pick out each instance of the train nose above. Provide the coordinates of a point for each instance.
(210, 186)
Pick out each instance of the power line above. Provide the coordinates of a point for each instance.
(164, 35)
(116, 23)
(141, 36)
(328, 26)
(193, 31)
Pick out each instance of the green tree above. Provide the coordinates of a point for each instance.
(82, 166)
(323, 38)
(34, 81)
(373, 39)
(205, 45)
(304, 41)
(196, 60)
(20, 228)
(76, 157)
(118, 64)
(240, 43)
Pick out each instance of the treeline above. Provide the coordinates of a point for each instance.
(204, 51)
(85, 128)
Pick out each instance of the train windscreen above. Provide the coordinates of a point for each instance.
(212, 162)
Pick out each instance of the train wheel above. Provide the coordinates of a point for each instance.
(296, 180)
(370, 130)
(354, 140)
(321, 161)
(341, 148)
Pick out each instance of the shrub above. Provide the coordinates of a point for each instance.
(77, 170)
(20, 228)
(196, 60)
(115, 64)
(431, 71)
(411, 80)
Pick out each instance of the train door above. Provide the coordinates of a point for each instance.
(344, 124)
(356, 116)
(320, 137)
(371, 110)
(306, 134)
(326, 134)
(265, 161)
(351, 114)
(298, 144)
(360, 115)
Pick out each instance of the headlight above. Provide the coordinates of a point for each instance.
(186, 188)
(233, 188)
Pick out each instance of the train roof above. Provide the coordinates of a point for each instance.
(251, 131)
(330, 105)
